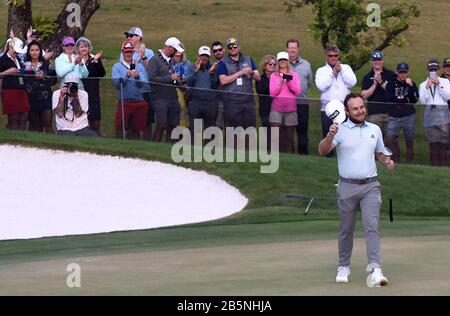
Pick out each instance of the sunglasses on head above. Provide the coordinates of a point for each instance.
(217, 50)
(233, 47)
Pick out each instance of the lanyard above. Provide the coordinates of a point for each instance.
(433, 91)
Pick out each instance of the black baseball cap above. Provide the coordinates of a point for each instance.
(433, 64)
(446, 62)
(377, 55)
(36, 33)
(402, 67)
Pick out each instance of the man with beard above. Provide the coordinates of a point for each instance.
(357, 142)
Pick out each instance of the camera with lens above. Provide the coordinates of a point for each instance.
(287, 77)
(72, 87)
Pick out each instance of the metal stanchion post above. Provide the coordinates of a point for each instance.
(123, 109)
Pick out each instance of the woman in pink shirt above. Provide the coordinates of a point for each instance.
(284, 88)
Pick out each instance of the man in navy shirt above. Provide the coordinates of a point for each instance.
(374, 90)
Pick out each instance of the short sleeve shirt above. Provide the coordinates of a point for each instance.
(356, 147)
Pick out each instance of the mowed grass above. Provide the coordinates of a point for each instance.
(288, 267)
(416, 190)
(262, 28)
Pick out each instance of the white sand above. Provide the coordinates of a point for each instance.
(56, 193)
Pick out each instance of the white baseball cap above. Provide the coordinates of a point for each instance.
(282, 55)
(17, 45)
(71, 77)
(335, 110)
(204, 50)
(135, 31)
(175, 43)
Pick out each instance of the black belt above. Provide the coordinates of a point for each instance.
(358, 181)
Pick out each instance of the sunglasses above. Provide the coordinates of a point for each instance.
(217, 50)
(336, 55)
(271, 64)
(69, 45)
(131, 35)
(233, 47)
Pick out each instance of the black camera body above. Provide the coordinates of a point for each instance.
(132, 66)
(287, 77)
(72, 87)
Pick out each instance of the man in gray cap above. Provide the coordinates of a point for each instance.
(236, 73)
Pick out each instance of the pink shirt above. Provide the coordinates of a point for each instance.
(284, 92)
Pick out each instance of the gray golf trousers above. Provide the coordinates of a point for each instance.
(350, 197)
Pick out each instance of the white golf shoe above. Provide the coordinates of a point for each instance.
(342, 274)
(376, 278)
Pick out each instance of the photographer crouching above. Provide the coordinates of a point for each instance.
(70, 106)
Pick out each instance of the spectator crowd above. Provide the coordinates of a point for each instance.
(160, 90)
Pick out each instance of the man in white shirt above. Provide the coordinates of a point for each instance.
(434, 93)
(70, 105)
(334, 80)
(357, 142)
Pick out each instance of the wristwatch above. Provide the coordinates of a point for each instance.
(144, 58)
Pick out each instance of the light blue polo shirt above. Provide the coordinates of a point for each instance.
(356, 147)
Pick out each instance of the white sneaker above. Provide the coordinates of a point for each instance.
(342, 274)
(376, 278)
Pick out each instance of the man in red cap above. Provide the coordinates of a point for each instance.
(131, 79)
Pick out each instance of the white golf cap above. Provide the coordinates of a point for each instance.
(282, 55)
(204, 50)
(175, 43)
(335, 110)
(17, 45)
(135, 31)
(71, 78)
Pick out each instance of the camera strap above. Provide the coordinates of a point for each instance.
(433, 91)
(66, 110)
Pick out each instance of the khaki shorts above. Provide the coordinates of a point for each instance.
(284, 118)
(381, 120)
(438, 134)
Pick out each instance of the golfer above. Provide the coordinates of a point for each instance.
(357, 142)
